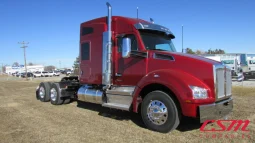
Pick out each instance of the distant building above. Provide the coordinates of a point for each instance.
(21, 69)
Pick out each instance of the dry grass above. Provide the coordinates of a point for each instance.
(243, 91)
(25, 119)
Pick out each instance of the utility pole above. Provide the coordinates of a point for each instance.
(2, 71)
(137, 13)
(182, 38)
(24, 47)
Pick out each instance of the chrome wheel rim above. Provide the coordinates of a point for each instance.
(53, 94)
(42, 92)
(157, 112)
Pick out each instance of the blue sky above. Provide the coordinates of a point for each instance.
(52, 26)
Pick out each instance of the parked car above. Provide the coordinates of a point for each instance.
(19, 74)
(46, 73)
(38, 74)
(53, 73)
(29, 74)
(68, 72)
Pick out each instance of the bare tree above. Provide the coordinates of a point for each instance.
(216, 51)
(16, 64)
(49, 68)
(30, 64)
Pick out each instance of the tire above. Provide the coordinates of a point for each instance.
(50, 83)
(169, 116)
(44, 92)
(67, 100)
(55, 92)
(37, 93)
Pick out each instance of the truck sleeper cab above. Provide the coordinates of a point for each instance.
(131, 64)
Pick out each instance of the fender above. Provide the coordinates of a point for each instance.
(177, 81)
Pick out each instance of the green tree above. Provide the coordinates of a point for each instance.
(76, 66)
(190, 51)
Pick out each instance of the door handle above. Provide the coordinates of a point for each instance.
(118, 74)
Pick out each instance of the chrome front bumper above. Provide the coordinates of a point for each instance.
(216, 110)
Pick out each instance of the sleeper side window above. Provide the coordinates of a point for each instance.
(85, 51)
(87, 30)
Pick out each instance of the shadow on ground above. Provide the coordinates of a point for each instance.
(112, 113)
(187, 124)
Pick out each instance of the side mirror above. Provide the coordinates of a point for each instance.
(126, 47)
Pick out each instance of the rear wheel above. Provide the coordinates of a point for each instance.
(55, 93)
(67, 100)
(159, 112)
(44, 92)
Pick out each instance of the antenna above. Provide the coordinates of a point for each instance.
(152, 21)
(137, 12)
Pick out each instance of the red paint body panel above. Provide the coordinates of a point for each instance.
(92, 69)
(177, 75)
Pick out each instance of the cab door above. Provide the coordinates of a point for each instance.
(129, 71)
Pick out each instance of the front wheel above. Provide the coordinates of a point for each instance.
(159, 112)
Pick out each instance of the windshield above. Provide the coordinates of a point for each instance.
(252, 62)
(228, 61)
(157, 41)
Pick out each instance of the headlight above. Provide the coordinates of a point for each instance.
(198, 92)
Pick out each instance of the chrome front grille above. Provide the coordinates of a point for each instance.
(223, 81)
(228, 83)
(220, 83)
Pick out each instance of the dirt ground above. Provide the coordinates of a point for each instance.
(246, 83)
(25, 119)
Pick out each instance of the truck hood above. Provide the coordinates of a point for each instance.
(194, 65)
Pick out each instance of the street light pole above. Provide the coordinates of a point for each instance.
(182, 38)
(24, 47)
(137, 13)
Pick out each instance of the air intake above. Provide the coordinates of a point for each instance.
(163, 57)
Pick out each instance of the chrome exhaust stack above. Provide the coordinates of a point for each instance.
(107, 53)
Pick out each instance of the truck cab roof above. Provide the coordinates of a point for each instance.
(128, 20)
(137, 23)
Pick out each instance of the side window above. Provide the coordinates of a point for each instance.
(86, 30)
(85, 51)
(252, 61)
(134, 44)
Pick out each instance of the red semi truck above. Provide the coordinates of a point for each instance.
(131, 64)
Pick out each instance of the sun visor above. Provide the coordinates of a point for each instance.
(154, 27)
